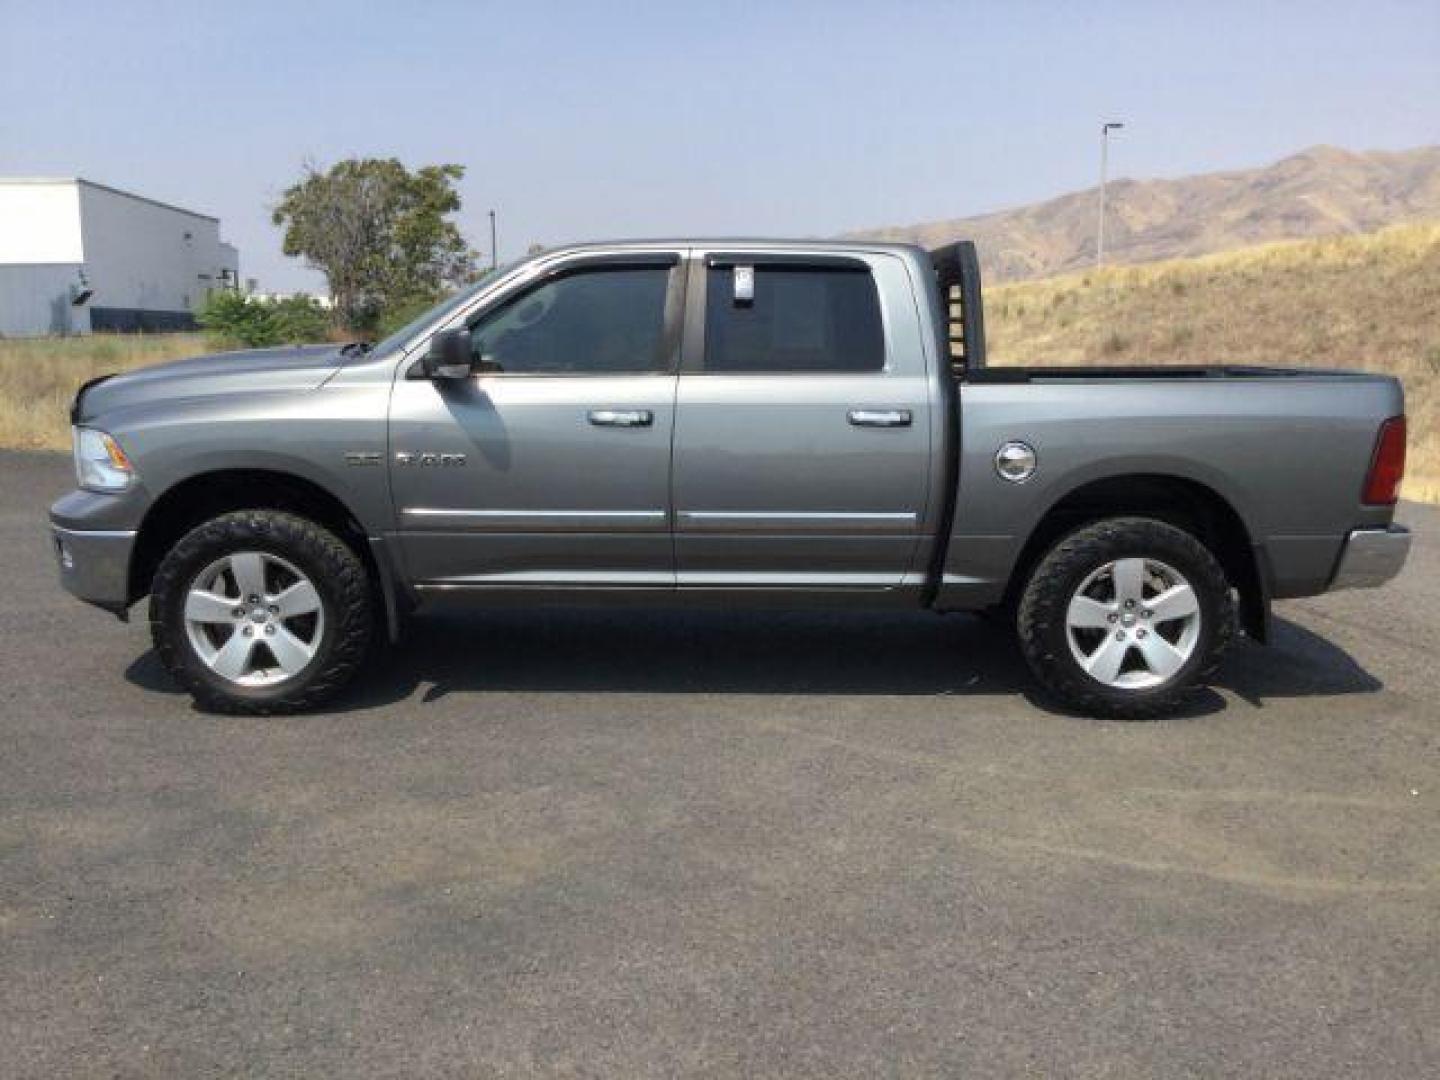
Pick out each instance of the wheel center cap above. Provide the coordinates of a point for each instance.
(1128, 618)
(259, 615)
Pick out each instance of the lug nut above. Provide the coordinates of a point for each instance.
(254, 599)
(1145, 613)
(249, 631)
(1129, 603)
(270, 628)
(239, 613)
(1119, 635)
(275, 609)
(1112, 617)
(1139, 633)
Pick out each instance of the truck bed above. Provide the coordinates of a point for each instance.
(1287, 449)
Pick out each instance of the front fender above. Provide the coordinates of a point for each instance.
(314, 435)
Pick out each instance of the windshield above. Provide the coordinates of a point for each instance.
(440, 311)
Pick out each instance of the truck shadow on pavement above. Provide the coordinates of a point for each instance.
(718, 652)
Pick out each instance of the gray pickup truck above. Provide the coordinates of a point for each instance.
(732, 422)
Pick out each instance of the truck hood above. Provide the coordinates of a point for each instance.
(297, 368)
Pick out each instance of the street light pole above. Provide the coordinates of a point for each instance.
(494, 255)
(1105, 129)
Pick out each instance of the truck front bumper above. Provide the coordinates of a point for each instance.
(1371, 557)
(93, 537)
(95, 565)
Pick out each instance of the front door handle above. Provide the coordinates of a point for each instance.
(880, 417)
(621, 417)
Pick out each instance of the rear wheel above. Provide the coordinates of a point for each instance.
(1125, 617)
(261, 612)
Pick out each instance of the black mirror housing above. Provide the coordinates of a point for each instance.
(449, 355)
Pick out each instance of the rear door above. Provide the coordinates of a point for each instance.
(550, 469)
(803, 432)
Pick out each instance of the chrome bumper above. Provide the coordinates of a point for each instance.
(1371, 557)
(95, 565)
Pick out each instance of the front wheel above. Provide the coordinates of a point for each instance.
(260, 611)
(1124, 617)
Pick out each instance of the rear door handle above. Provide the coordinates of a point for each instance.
(621, 417)
(880, 417)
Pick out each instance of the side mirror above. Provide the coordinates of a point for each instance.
(449, 355)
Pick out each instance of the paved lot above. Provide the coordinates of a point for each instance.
(661, 843)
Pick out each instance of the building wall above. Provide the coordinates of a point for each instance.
(151, 265)
(35, 299)
(40, 257)
(40, 222)
(230, 260)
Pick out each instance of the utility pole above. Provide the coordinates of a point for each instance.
(1105, 129)
(494, 255)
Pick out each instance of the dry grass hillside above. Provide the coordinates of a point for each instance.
(1320, 192)
(1369, 302)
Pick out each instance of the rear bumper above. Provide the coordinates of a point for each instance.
(95, 565)
(1371, 557)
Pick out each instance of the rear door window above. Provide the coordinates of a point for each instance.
(795, 319)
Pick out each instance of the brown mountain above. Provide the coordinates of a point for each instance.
(1320, 191)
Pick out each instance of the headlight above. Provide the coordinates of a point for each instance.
(100, 464)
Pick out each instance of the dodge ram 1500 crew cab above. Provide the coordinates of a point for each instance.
(753, 422)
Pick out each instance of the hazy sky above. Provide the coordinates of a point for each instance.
(613, 119)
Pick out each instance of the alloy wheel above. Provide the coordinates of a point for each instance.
(253, 618)
(1133, 623)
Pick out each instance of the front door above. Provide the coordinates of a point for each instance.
(550, 468)
(803, 425)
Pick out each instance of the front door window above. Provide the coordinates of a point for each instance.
(597, 321)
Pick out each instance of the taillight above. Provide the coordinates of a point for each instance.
(1387, 465)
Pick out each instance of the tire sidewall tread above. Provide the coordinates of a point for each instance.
(333, 567)
(1044, 603)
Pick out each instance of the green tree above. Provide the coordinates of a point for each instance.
(378, 232)
(300, 319)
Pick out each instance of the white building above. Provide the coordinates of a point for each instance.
(77, 256)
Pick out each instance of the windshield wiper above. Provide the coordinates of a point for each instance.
(356, 348)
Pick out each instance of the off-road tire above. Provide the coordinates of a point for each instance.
(1041, 618)
(338, 574)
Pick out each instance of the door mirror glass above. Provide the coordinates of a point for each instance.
(449, 355)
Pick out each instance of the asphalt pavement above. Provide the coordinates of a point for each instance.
(651, 843)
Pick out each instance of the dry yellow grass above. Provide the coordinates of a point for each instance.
(1370, 302)
(39, 377)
